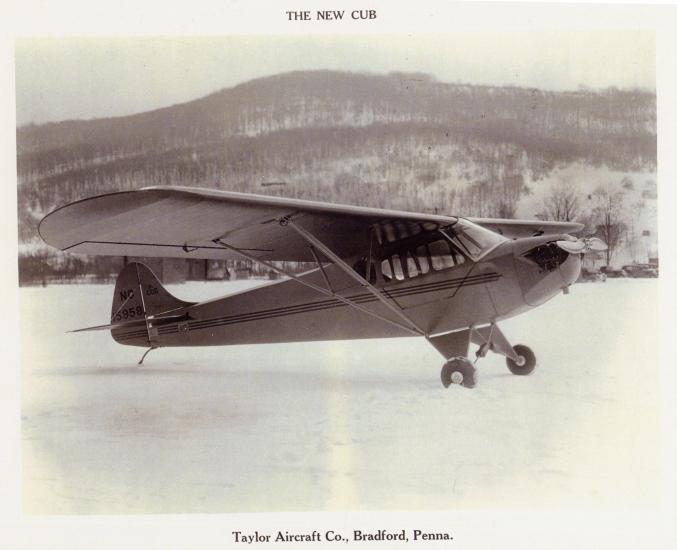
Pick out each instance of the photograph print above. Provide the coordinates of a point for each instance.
(337, 272)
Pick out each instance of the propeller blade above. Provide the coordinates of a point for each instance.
(578, 246)
(572, 247)
(596, 244)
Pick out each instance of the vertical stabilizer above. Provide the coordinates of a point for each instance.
(139, 295)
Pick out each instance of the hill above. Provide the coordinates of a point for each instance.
(398, 140)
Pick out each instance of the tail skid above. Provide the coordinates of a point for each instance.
(144, 355)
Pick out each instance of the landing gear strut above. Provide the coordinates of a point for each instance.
(454, 347)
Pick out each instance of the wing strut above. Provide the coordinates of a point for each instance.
(319, 264)
(326, 292)
(314, 241)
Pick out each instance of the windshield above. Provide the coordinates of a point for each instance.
(472, 239)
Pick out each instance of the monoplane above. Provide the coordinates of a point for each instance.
(375, 273)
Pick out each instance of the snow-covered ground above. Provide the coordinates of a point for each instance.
(347, 425)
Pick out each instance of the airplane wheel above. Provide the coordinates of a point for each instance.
(458, 370)
(527, 362)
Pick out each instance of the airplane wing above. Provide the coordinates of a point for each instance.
(527, 228)
(183, 222)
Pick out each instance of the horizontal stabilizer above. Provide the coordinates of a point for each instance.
(134, 323)
(124, 324)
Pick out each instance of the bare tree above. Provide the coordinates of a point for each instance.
(608, 218)
(561, 204)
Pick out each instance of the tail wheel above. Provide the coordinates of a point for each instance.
(525, 363)
(458, 370)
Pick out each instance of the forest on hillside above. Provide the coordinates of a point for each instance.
(400, 140)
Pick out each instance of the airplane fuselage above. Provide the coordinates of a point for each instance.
(503, 283)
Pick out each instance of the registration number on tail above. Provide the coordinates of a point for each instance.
(129, 313)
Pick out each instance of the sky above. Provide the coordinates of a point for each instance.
(66, 78)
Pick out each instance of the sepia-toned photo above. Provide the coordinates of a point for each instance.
(338, 272)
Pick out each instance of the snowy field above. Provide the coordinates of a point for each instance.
(333, 426)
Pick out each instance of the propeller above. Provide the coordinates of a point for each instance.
(573, 245)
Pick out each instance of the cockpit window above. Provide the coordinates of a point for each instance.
(438, 255)
(386, 269)
(452, 246)
(392, 267)
(471, 238)
(412, 268)
(441, 255)
(397, 267)
(422, 259)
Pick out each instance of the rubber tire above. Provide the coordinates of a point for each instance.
(462, 365)
(528, 366)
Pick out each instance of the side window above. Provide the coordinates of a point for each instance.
(386, 270)
(437, 255)
(397, 267)
(412, 268)
(440, 255)
(422, 258)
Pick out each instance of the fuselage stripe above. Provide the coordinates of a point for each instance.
(315, 306)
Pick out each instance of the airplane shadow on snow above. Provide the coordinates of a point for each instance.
(241, 375)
